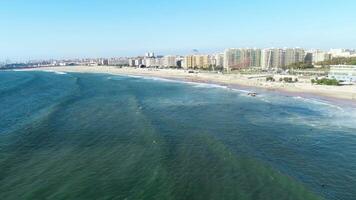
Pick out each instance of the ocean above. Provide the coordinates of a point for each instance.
(99, 136)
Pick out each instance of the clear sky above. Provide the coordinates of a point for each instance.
(34, 29)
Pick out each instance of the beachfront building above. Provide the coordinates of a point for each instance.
(344, 53)
(345, 73)
(272, 58)
(202, 61)
(159, 60)
(235, 59)
(119, 61)
(197, 62)
(170, 61)
(276, 58)
(189, 62)
(320, 56)
(266, 59)
(150, 62)
(294, 55)
(132, 62)
(255, 57)
(218, 60)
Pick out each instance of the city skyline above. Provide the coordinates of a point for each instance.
(67, 29)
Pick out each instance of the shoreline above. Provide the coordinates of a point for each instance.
(337, 94)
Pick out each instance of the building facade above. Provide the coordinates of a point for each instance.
(345, 73)
(241, 58)
(320, 56)
(276, 58)
(346, 53)
(295, 55)
(197, 62)
(272, 59)
(170, 61)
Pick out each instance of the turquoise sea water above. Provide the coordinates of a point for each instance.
(96, 136)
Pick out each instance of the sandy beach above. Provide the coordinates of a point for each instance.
(303, 87)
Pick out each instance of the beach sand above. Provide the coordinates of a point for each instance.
(303, 87)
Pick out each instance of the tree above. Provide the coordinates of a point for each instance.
(299, 65)
(270, 79)
(339, 61)
(326, 81)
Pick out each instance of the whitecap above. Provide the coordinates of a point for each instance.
(56, 72)
(210, 85)
(318, 102)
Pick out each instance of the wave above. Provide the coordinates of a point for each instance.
(262, 97)
(318, 102)
(56, 72)
(241, 91)
(209, 85)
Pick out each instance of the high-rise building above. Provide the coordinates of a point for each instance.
(266, 59)
(150, 62)
(272, 58)
(275, 58)
(197, 62)
(320, 56)
(202, 61)
(170, 61)
(241, 58)
(278, 58)
(294, 55)
(119, 61)
(347, 53)
(150, 55)
(189, 62)
(132, 62)
(255, 57)
(136, 62)
(159, 61)
(218, 60)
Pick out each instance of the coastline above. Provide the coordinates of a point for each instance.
(340, 94)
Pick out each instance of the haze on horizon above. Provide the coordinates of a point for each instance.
(35, 29)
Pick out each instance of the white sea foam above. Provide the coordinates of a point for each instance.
(195, 84)
(318, 102)
(56, 72)
(209, 85)
(132, 76)
(328, 108)
(241, 91)
(332, 115)
(154, 78)
(161, 79)
(61, 73)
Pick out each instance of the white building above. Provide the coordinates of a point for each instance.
(273, 58)
(266, 59)
(138, 62)
(119, 61)
(150, 54)
(218, 60)
(132, 62)
(320, 56)
(345, 73)
(169, 61)
(150, 62)
(346, 53)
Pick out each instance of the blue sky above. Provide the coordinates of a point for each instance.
(33, 29)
